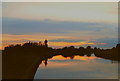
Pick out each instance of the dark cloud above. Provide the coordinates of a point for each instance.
(110, 42)
(65, 40)
(20, 26)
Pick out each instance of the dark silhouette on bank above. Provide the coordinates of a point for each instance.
(21, 61)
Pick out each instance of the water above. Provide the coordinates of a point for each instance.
(81, 67)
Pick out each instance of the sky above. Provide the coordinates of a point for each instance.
(61, 23)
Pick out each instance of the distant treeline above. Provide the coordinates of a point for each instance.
(44, 51)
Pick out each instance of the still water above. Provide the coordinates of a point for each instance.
(80, 67)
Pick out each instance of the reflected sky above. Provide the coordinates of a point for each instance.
(78, 68)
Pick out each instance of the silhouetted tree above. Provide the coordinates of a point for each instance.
(45, 42)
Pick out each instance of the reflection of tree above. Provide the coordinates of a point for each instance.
(22, 61)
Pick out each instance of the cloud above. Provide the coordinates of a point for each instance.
(63, 44)
(8, 39)
(66, 40)
(100, 42)
(54, 40)
(66, 33)
(85, 12)
(19, 26)
(58, 41)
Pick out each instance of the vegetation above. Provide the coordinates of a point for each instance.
(21, 61)
(44, 51)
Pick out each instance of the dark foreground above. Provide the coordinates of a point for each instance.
(21, 61)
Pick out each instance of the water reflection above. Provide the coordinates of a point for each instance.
(25, 59)
(61, 58)
(79, 67)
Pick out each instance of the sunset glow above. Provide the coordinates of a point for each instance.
(59, 57)
(62, 24)
(73, 44)
(59, 40)
(55, 44)
(20, 39)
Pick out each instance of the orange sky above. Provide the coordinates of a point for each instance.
(20, 39)
(55, 44)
